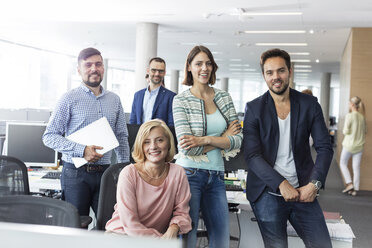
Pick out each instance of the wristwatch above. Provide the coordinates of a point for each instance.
(317, 184)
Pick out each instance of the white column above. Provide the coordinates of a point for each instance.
(175, 74)
(225, 84)
(104, 80)
(325, 89)
(146, 48)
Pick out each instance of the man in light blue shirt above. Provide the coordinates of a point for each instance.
(155, 101)
(76, 109)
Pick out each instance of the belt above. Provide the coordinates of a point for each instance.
(96, 167)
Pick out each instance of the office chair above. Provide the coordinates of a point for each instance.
(13, 177)
(38, 210)
(107, 194)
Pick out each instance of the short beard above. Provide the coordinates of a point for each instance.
(93, 85)
(96, 84)
(279, 93)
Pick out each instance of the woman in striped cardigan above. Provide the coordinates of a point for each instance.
(207, 129)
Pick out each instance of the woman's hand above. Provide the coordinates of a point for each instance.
(233, 129)
(190, 141)
(172, 232)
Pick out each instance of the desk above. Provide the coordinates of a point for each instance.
(37, 236)
(39, 184)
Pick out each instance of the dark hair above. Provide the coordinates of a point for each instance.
(195, 51)
(88, 52)
(157, 59)
(276, 52)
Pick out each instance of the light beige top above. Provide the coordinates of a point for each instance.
(355, 132)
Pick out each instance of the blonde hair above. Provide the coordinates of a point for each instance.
(143, 132)
(358, 104)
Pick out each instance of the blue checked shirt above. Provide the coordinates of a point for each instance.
(77, 109)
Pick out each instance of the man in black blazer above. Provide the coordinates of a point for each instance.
(283, 181)
(154, 101)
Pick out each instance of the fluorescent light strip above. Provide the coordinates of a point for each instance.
(303, 70)
(300, 54)
(235, 60)
(302, 66)
(268, 14)
(301, 60)
(238, 65)
(275, 32)
(281, 44)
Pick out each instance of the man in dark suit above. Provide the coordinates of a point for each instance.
(155, 101)
(283, 181)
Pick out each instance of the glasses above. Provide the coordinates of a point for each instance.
(157, 70)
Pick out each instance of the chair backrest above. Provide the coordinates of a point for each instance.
(107, 194)
(13, 177)
(38, 210)
(132, 134)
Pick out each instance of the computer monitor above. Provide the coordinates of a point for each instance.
(24, 141)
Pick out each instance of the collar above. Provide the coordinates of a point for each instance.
(86, 89)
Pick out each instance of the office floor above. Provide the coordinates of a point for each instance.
(356, 211)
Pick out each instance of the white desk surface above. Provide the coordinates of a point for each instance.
(38, 184)
(37, 236)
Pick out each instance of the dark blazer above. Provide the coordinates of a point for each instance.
(162, 107)
(261, 139)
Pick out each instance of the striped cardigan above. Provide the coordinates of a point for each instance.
(190, 119)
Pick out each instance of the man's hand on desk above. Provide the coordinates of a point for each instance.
(91, 155)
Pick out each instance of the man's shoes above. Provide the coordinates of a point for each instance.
(353, 193)
(348, 188)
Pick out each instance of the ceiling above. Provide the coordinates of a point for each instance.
(70, 25)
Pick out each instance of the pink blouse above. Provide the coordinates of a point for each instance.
(146, 210)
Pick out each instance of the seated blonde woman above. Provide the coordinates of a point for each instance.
(152, 194)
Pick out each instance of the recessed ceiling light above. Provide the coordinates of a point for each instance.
(274, 32)
(301, 60)
(268, 14)
(300, 53)
(302, 66)
(317, 61)
(311, 31)
(281, 44)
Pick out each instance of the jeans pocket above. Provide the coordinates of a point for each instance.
(190, 171)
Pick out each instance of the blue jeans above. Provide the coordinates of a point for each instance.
(273, 212)
(80, 188)
(208, 194)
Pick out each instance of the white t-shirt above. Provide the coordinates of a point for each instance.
(284, 163)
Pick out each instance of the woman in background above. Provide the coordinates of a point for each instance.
(152, 194)
(207, 128)
(352, 145)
